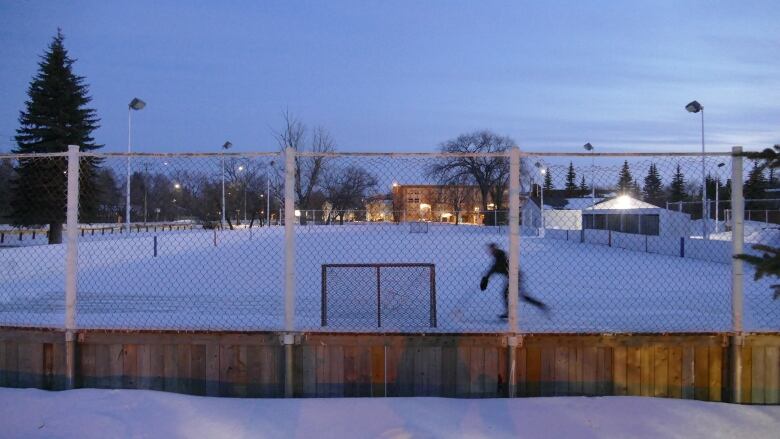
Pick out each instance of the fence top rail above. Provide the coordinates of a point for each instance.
(365, 154)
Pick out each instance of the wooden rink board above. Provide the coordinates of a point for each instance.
(348, 365)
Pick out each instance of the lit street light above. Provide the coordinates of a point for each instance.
(695, 107)
(226, 146)
(134, 105)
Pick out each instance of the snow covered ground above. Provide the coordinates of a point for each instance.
(237, 283)
(89, 413)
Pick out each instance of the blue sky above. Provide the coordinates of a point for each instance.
(404, 76)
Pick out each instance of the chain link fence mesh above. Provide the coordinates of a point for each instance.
(385, 243)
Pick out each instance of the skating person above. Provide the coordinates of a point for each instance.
(501, 267)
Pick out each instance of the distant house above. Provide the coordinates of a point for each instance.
(438, 203)
(629, 215)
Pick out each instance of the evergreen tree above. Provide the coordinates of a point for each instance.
(677, 187)
(54, 117)
(548, 182)
(653, 190)
(571, 181)
(584, 189)
(626, 181)
(756, 183)
(768, 264)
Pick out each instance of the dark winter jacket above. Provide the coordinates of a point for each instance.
(500, 263)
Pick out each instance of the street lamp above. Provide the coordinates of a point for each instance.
(134, 105)
(695, 107)
(717, 195)
(542, 171)
(589, 147)
(241, 168)
(226, 146)
(268, 193)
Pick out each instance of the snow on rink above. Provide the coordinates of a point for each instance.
(237, 283)
(90, 413)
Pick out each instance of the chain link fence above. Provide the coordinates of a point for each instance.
(383, 242)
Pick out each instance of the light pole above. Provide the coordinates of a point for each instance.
(542, 171)
(226, 146)
(589, 147)
(695, 107)
(241, 168)
(268, 193)
(717, 195)
(134, 105)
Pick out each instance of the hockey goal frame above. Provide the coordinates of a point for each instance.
(378, 270)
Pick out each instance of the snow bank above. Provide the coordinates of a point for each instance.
(85, 413)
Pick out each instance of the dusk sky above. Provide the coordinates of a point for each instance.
(405, 76)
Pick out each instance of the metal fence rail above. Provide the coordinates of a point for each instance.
(585, 243)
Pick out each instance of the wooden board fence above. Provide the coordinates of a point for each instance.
(348, 365)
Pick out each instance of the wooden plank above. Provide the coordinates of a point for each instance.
(462, 371)
(271, 375)
(322, 370)
(575, 370)
(184, 367)
(48, 366)
(675, 372)
(59, 365)
(522, 371)
(144, 357)
(130, 367)
(254, 359)
(377, 370)
(661, 372)
(490, 372)
(589, 368)
(619, 370)
(3, 367)
(547, 378)
(758, 370)
(646, 370)
(502, 380)
(86, 367)
(420, 370)
(102, 375)
(170, 369)
(198, 370)
(701, 373)
(336, 371)
(688, 372)
(604, 383)
(392, 361)
(449, 365)
(157, 366)
(534, 370)
(715, 381)
(633, 371)
(212, 369)
(364, 371)
(477, 371)
(309, 377)
(116, 355)
(30, 365)
(350, 371)
(747, 374)
(772, 375)
(562, 370)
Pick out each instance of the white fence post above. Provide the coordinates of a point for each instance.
(71, 264)
(289, 267)
(737, 270)
(514, 263)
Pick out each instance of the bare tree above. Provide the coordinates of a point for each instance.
(346, 189)
(308, 170)
(455, 192)
(490, 174)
